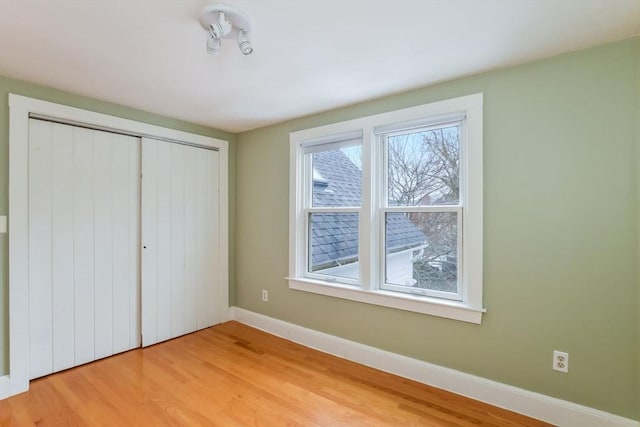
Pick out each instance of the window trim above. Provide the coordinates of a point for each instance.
(470, 309)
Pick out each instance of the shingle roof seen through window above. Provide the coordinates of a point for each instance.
(334, 236)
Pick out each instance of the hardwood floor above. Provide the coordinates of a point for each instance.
(234, 375)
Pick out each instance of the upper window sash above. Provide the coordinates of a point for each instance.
(310, 176)
(383, 139)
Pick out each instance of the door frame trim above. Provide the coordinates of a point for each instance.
(20, 108)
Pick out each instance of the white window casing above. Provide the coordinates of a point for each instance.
(369, 131)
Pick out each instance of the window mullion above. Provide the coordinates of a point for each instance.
(381, 202)
(367, 213)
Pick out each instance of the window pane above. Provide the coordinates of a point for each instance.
(334, 244)
(423, 167)
(421, 250)
(337, 177)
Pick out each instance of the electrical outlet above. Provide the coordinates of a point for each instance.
(560, 361)
(265, 295)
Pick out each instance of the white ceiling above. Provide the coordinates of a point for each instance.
(309, 55)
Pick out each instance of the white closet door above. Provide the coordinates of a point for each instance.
(180, 235)
(84, 192)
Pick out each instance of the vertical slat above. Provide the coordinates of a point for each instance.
(134, 243)
(202, 218)
(163, 215)
(120, 239)
(83, 245)
(103, 244)
(123, 233)
(62, 248)
(177, 239)
(40, 335)
(149, 242)
(212, 266)
(192, 237)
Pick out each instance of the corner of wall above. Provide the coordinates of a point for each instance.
(233, 171)
(637, 183)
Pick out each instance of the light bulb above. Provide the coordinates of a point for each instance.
(243, 43)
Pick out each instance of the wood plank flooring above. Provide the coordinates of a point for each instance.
(234, 375)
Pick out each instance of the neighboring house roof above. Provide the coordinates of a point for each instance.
(337, 181)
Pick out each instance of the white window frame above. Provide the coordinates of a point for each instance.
(371, 233)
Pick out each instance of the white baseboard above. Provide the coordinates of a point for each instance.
(552, 410)
(4, 387)
(10, 388)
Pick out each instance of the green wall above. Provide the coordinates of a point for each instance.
(561, 231)
(22, 88)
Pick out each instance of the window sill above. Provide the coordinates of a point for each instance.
(419, 304)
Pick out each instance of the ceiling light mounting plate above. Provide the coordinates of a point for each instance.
(238, 19)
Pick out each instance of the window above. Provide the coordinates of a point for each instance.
(422, 210)
(334, 209)
(387, 209)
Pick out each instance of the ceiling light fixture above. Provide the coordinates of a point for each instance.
(223, 21)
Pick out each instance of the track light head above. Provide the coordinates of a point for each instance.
(214, 45)
(244, 43)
